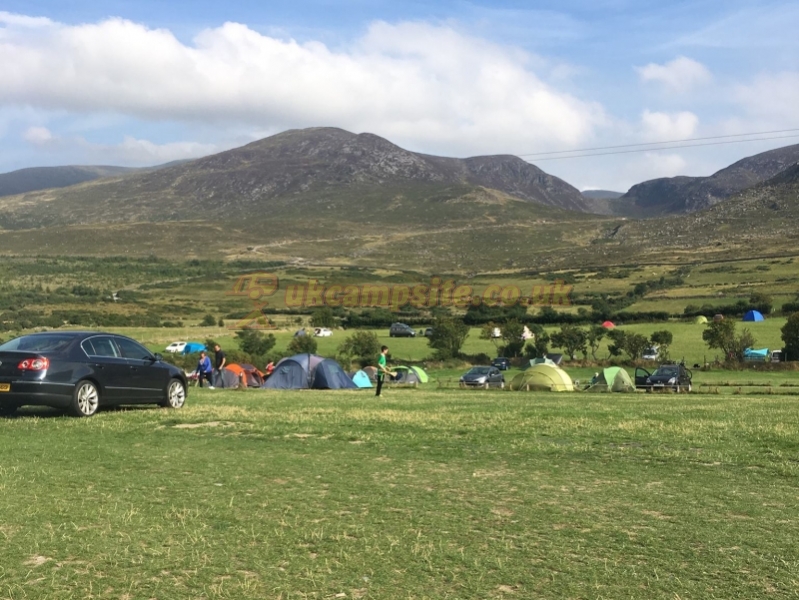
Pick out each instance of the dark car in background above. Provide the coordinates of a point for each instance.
(80, 371)
(401, 330)
(501, 363)
(669, 376)
(482, 377)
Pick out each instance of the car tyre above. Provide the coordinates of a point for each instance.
(6, 410)
(175, 394)
(85, 399)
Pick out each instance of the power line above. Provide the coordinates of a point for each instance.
(648, 144)
(784, 137)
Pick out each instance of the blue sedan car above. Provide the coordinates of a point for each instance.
(80, 371)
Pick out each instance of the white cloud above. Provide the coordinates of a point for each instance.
(664, 127)
(145, 152)
(681, 74)
(38, 136)
(427, 86)
(772, 96)
(130, 151)
(7, 18)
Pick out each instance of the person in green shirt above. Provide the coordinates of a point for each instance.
(382, 369)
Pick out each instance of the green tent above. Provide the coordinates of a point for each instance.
(542, 377)
(701, 320)
(410, 375)
(612, 379)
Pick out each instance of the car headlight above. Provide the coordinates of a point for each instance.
(648, 380)
(673, 380)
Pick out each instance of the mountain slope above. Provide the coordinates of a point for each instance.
(287, 175)
(42, 178)
(761, 220)
(690, 194)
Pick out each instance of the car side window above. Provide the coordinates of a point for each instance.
(100, 346)
(131, 349)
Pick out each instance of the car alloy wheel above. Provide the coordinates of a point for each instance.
(175, 394)
(86, 399)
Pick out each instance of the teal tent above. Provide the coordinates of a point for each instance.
(361, 379)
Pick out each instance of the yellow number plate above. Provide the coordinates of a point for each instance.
(5, 387)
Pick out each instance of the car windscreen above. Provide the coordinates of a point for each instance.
(479, 371)
(41, 344)
(669, 371)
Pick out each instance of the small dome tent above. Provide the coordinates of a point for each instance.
(542, 377)
(612, 379)
(409, 375)
(361, 379)
(753, 316)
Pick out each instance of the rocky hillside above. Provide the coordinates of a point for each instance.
(690, 194)
(761, 220)
(287, 175)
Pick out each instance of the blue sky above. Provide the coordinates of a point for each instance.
(140, 83)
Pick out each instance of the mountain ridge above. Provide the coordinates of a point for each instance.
(683, 194)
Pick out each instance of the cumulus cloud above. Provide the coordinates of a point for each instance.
(38, 136)
(662, 126)
(416, 83)
(681, 74)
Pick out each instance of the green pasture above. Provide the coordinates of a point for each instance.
(688, 343)
(423, 494)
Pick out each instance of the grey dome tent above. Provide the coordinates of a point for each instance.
(308, 371)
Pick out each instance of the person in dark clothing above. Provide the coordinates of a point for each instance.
(219, 363)
(205, 370)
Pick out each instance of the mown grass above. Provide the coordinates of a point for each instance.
(423, 494)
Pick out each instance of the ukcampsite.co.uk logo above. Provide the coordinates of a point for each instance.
(260, 287)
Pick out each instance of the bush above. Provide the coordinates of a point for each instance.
(208, 321)
(254, 341)
(448, 337)
(303, 344)
(362, 346)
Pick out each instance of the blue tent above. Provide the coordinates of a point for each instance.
(193, 348)
(753, 315)
(361, 379)
(303, 371)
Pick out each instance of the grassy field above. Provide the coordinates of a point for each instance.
(423, 494)
(688, 343)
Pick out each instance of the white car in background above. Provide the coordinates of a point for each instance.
(175, 347)
(322, 332)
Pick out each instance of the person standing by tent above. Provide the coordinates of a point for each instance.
(382, 369)
(219, 361)
(204, 370)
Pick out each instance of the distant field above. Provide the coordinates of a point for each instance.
(424, 494)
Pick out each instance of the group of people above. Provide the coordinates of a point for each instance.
(206, 370)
